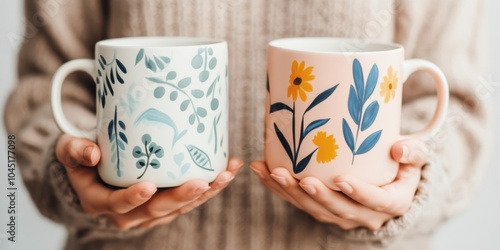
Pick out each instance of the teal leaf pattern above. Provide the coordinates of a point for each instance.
(107, 76)
(150, 151)
(362, 117)
(199, 158)
(118, 140)
(153, 115)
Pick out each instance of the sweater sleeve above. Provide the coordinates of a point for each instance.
(56, 32)
(459, 152)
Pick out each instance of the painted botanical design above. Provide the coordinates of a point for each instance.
(327, 147)
(362, 115)
(187, 92)
(300, 81)
(300, 78)
(204, 58)
(153, 63)
(153, 115)
(199, 157)
(118, 140)
(147, 154)
(183, 166)
(389, 85)
(108, 73)
(187, 96)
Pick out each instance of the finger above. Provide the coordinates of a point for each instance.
(410, 151)
(219, 184)
(394, 198)
(310, 205)
(260, 169)
(162, 204)
(234, 166)
(73, 152)
(341, 206)
(124, 200)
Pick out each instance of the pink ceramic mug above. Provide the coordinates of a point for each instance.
(334, 107)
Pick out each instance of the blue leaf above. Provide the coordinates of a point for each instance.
(357, 72)
(113, 158)
(197, 93)
(112, 76)
(200, 158)
(121, 145)
(101, 64)
(202, 112)
(171, 75)
(155, 163)
(109, 86)
(122, 125)
(123, 137)
(110, 129)
(120, 79)
(103, 60)
(155, 79)
(303, 163)
(369, 143)
(371, 82)
(321, 97)
(156, 116)
(348, 137)
(171, 175)
(185, 168)
(159, 63)
(284, 142)
(184, 82)
(370, 115)
(139, 56)
(150, 64)
(121, 66)
(279, 106)
(314, 125)
(165, 59)
(354, 105)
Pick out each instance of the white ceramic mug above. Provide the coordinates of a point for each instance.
(161, 106)
(334, 107)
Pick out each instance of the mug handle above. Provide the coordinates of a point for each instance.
(85, 65)
(413, 65)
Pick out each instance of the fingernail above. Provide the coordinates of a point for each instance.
(201, 190)
(308, 188)
(226, 177)
(404, 156)
(344, 187)
(279, 179)
(88, 153)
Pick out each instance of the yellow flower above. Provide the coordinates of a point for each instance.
(389, 85)
(327, 147)
(299, 81)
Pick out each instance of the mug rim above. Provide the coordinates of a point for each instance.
(158, 42)
(370, 47)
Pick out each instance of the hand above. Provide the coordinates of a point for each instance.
(138, 205)
(360, 203)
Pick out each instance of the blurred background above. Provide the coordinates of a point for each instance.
(476, 228)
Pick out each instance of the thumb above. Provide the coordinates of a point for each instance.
(73, 152)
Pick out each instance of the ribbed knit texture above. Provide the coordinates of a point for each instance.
(246, 215)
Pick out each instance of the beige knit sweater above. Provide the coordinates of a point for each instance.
(246, 215)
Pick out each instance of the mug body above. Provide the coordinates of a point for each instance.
(333, 108)
(162, 109)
